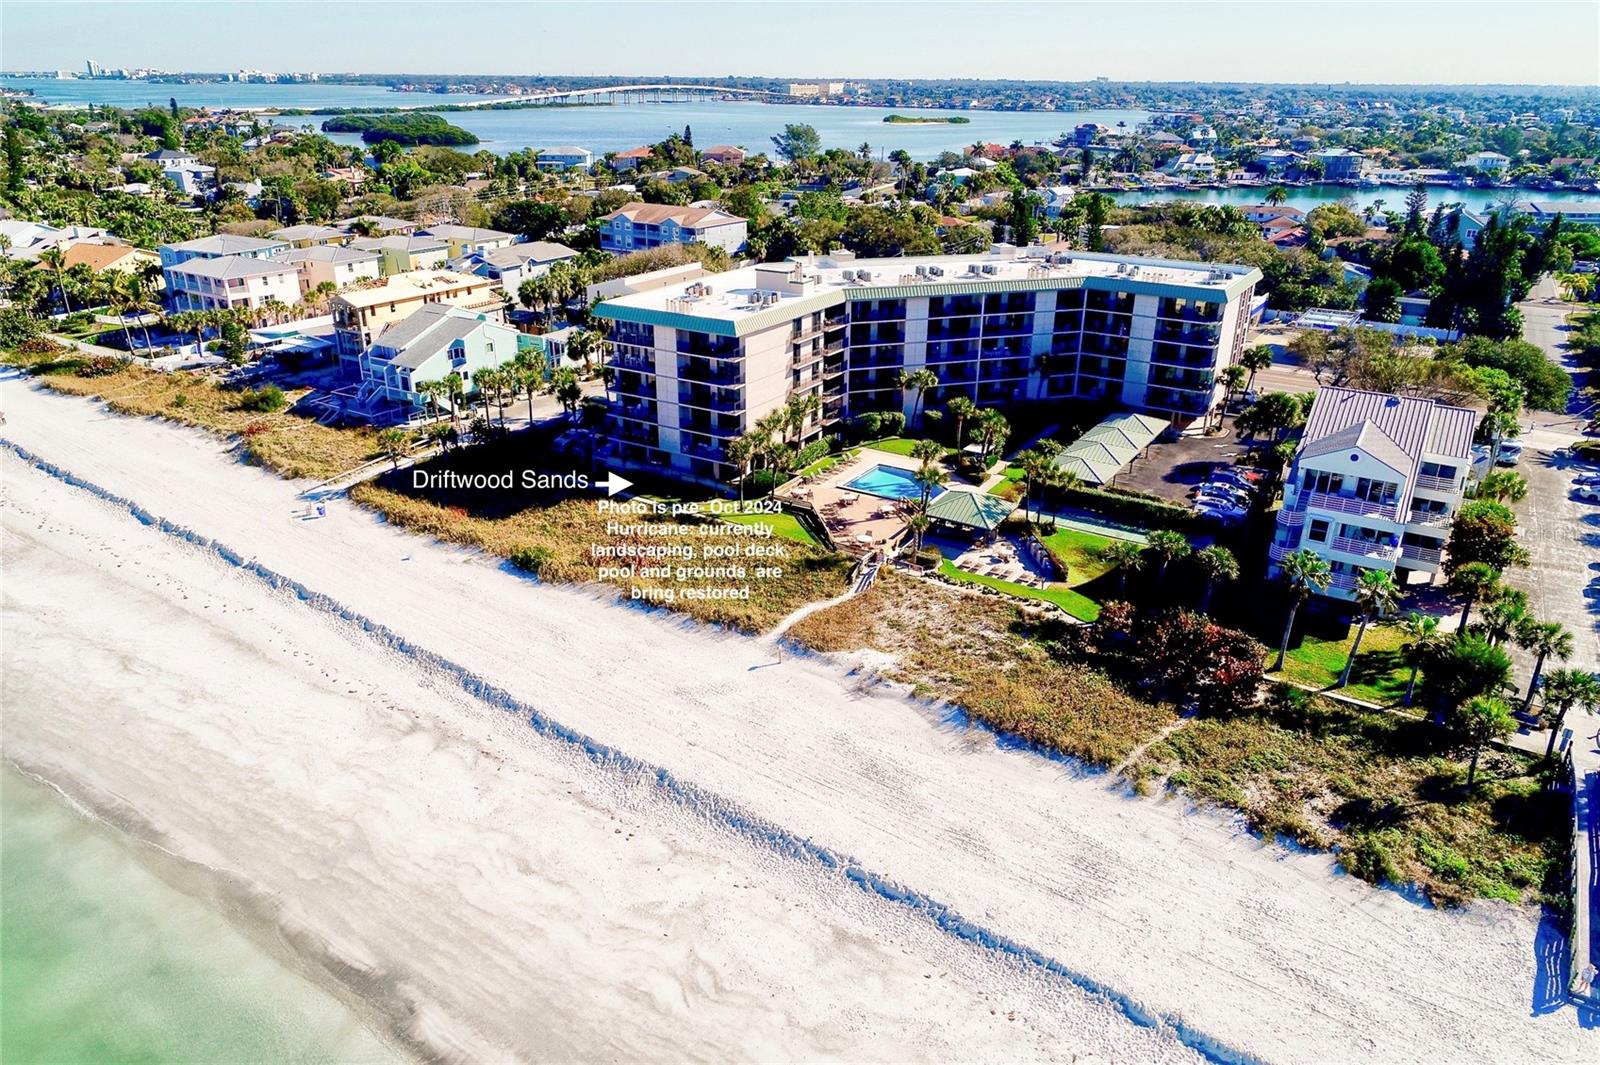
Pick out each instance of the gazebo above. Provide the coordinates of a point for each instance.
(970, 512)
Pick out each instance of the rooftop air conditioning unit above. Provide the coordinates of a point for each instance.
(990, 268)
(922, 271)
(936, 271)
(849, 275)
(864, 275)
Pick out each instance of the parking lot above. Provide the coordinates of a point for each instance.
(1172, 469)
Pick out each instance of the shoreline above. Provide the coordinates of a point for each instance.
(869, 775)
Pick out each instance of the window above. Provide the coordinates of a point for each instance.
(1318, 530)
(1375, 491)
(1323, 481)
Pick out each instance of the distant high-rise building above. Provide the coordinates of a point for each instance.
(93, 68)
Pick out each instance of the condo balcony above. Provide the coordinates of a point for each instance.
(1433, 519)
(1438, 484)
(719, 399)
(953, 329)
(1417, 553)
(1341, 504)
(711, 372)
(1350, 545)
(1189, 333)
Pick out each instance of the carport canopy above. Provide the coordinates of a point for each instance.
(1099, 454)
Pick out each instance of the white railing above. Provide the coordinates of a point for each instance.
(1365, 508)
(1278, 552)
(1366, 548)
(1432, 518)
(1421, 554)
(1342, 582)
(1438, 484)
(1291, 516)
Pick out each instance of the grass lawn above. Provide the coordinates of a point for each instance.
(1081, 552)
(828, 462)
(1079, 606)
(1379, 675)
(900, 445)
(1382, 789)
(785, 525)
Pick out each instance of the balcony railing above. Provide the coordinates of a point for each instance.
(711, 373)
(1438, 484)
(1342, 582)
(632, 362)
(1291, 517)
(1432, 518)
(1365, 508)
(1278, 552)
(1366, 548)
(1417, 553)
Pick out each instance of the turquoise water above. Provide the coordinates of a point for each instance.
(891, 482)
(101, 961)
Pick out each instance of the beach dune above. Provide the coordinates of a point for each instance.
(877, 835)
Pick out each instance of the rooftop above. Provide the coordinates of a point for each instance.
(399, 242)
(756, 297)
(328, 253)
(654, 213)
(414, 285)
(224, 244)
(454, 232)
(100, 256)
(228, 266)
(307, 232)
(535, 251)
(427, 331)
(1397, 430)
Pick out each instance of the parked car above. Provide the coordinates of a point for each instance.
(1587, 479)
(1223, 494)
(1220, 511)
(1587, 492)
(1228, 476)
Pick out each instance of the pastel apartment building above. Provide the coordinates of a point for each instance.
(698, 362)
(231, 281)
(1340, 164)
(564, 157)
(468, 240)
(434, 340)
(222, 245)
(310, 236)
(332, 264)
(723, 155)
(360, 315)
(402, 253)
(1374, 485)
(639, 226)
(513, 265)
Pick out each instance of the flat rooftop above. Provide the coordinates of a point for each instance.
(735, 298)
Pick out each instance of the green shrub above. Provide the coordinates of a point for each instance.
(267, 400)
(868, 426)
(892, 423)
(1132, 507)
(16, 327)
(530, 559)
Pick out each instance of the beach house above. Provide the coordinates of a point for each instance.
(638, 226)
(332, 264)
(360, 315)
(434, 340)
(1374, 485)
(231, 281)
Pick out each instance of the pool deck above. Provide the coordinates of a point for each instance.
(857, 522)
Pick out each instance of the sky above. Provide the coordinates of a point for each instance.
(1480, 41)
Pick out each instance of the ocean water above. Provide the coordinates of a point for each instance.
(101, 961)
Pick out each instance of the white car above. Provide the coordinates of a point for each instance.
(1589, 493)
(1510, 454)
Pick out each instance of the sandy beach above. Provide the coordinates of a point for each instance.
(696, 851)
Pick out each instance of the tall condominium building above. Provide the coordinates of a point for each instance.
(1375, 484)
(698, 363)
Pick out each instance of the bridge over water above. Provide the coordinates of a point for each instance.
(649, 94)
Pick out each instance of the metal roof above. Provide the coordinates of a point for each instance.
(971, 510)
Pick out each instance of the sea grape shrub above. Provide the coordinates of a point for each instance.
(267, 400)
(1179, 656)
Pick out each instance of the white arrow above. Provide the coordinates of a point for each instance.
(614, 483)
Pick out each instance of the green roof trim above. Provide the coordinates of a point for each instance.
(970, 510)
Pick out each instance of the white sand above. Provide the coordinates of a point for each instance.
(1248, 948)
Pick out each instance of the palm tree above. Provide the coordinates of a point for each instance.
(962, 410)
(431, 391)
(394, 443)
(992, 431)
(1483, 719)
(1504, 615)
(782, 458)
(1233, 377)
(742, 454)
(1255, 359)
(918, 524)
(1125, 557)
(1166, 545)
(918, 381)
(55, 260)
(1217, 564)
(1543, 640)
(1303, 572)
(1564, 689)
(1422, 636)
(796, 412)
(1033, 463)
(1473, 582)
(1276, 195)
(928, 477)
(1503, 485)
(1376, 594)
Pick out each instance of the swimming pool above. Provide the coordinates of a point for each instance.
(890, 482)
